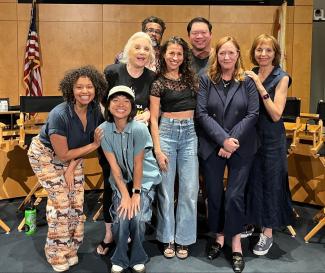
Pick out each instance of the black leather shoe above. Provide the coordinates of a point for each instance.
(214, 251)
(238, 263)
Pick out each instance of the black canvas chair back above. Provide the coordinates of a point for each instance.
(321, 110)
(32, 104)
(291, 109)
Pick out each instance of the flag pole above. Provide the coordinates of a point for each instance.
(282, 40)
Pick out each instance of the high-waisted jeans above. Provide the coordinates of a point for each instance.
(178, 141)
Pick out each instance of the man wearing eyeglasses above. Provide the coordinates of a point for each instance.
(199, 32)
(155, 28)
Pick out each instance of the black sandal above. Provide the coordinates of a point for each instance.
(105, 247)
(169, 250)
(182, 252)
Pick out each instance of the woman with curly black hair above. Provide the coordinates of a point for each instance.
(56, 158)
(175, 144)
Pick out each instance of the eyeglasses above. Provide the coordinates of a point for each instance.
(81, 87)
(197, 33)
(152, 30)
(231, 54)
(267, 51)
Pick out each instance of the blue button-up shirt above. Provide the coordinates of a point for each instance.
(125, 146)
(64, 121)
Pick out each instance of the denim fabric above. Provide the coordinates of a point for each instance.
(178, 141)
(135, 228)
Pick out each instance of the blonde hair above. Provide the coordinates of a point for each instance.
(266, 38)
(130, 42)
(214, 69)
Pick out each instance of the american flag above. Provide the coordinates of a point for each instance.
(32, 70)
(279, 32)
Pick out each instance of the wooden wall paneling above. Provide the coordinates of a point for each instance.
(114, 39)
(176, 29)
(70, 13)
(242, 14)
(169, 13)
(304, 2)
(8, 12)
(8, 1)
(303, 15)
(302, 64)
(8, 63)
(67, 45)
(8, 51)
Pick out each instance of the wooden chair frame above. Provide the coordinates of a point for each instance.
(4, 226)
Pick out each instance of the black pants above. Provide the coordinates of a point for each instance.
(107, 196)
(226, 207)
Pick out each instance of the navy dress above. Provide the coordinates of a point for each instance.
(269, 199)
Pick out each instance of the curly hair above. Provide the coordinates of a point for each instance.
(214, 69)
(188, 76)
(153, 19)
(130, 43)
(71, 77)
(266, 38)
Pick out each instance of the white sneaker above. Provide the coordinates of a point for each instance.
(139, 268)
(116, 269)
(60, 267)
(73, 260)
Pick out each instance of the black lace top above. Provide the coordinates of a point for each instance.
(175, 95)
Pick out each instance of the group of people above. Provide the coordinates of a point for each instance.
(155, 116)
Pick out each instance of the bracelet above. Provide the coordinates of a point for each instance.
(266, 96)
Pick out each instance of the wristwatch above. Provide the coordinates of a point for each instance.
(266, 96)
(137, 191)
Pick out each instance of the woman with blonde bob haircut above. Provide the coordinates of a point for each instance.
(227, 111)
(269, 198)
(129, 44)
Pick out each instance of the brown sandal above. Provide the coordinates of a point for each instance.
(169, 250)
(182, 252)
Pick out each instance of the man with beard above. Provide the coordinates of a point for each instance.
(155, 28)
(199, 34)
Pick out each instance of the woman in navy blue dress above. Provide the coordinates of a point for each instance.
(269, 202)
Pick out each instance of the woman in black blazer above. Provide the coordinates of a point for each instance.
(227, 111)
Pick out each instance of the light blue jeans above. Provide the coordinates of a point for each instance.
(178, 141)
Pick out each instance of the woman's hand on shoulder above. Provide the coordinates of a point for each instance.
(255, 78)
(144, 117)
(98, 134)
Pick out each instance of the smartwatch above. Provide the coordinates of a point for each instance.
(266, 96)
(137, 191)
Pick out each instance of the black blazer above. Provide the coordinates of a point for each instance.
(220, 116)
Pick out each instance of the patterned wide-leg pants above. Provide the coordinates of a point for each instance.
(64, 210)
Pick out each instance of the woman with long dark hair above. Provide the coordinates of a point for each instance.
(175, 146)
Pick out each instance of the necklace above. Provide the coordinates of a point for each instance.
(225, 83)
